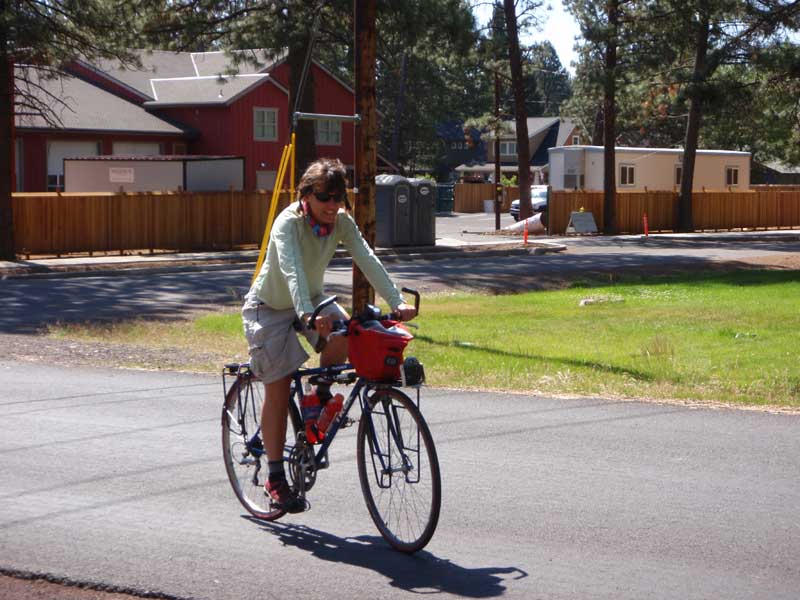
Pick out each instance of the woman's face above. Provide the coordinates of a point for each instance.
(324, 205)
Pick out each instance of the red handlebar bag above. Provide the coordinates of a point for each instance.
(375, 348)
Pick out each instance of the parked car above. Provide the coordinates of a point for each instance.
(538, 201)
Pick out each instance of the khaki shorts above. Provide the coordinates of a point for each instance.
(275, 351)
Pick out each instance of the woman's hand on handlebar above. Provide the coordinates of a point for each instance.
(324, 325)
(405, 312)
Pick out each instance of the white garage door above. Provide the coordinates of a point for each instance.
(136, 148)
(57, 151)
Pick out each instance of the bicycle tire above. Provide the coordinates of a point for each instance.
(242, 450)
(404, 502)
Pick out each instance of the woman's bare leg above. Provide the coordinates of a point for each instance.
(274, 413)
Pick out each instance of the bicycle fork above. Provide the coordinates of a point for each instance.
(385, 462)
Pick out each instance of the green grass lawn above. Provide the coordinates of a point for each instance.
(731, 337)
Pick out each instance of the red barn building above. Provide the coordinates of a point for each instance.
(179, 103)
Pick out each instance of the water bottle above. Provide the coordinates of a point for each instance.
(329, 412)
(310, 408)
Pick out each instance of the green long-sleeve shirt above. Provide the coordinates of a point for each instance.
(294, 268)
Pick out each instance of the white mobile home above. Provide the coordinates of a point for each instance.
(581, 167)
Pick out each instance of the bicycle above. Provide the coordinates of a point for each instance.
(398, 467)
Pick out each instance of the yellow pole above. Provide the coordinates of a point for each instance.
(276, 194)
(292, 163)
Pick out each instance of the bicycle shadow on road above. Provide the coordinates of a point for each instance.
(422, 572)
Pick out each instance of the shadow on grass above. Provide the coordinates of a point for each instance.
(572, 362)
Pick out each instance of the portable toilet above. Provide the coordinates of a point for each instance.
(393, 207)
(423, 212)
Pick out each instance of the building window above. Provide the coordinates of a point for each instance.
(58, 150)
(576, 140)
(265, 124)
(732, 176)
(508, 148)
(627, 175)
(678, 174)
(328, 132)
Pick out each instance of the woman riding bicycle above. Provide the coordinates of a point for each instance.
(290, 284)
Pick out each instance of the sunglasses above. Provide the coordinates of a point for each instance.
(328, 196)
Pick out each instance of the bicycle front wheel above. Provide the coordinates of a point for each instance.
(399, 470)
(243, 449)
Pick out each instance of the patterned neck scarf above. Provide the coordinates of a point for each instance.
(319, 229)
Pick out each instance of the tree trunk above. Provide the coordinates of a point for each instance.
(693, 125)
(398, 113)
(597, 130)
(7, 251)
(366, 140)
(610, 123)
(520, 113)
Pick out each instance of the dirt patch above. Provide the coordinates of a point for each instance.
(71, 353)
(31, 587)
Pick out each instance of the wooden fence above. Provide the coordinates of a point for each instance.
(469, 197)
(53, 223)
(711, 211)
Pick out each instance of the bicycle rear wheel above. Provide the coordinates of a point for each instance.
(242, 448)
(399, 470)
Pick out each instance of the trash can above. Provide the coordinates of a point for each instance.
(444, 197)
(393, 206)
(423, 212)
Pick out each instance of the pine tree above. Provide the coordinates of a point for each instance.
(607, 28)
(41, 39)
(722, 32)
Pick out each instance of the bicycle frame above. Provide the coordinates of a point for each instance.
(360, 391)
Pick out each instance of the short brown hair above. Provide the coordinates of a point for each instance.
(327, 171)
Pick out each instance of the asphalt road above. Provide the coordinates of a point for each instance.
(30, 302)
(115, 477)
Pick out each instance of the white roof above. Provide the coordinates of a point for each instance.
(203, 90)
(626, 149)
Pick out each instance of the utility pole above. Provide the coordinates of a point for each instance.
(520, 113)
(610, 121)
(498, 189)
(366, 150)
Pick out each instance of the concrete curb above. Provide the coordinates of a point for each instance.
(736, 236)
